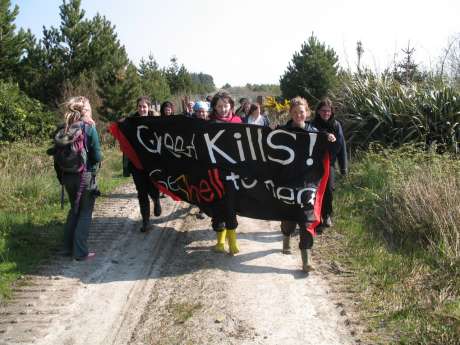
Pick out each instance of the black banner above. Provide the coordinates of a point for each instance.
(263, 173)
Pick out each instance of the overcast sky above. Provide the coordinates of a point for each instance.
(252, 41)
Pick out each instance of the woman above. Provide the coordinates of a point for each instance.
(81, 187)
(254, 116)
(224, 221)
(167, 109)
(144, 185)
(324, 121)
(300, 113)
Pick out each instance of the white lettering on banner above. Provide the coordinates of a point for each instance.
(292, 196)
(174, 145)
(233, 177)
(152, 142)
(248, 186)
(237, 136)
(302, 197)
(251, 145)
(281, 147)
(261, 147)
(313, 137)
(244, 146)
(212, 147)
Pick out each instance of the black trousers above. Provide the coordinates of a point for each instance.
(305, 237)
(145, 188)
(326, 209)
(224, 214)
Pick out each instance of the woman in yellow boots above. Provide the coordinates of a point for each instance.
(224, 221)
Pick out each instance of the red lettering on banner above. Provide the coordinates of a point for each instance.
(205, 188)
(216, 187)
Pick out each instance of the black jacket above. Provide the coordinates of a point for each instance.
(339, 149)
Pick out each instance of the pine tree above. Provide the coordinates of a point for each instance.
(12, 44)
(312, 72)
(202, 83)
(179, 78)
(153, 81)
(407, 70)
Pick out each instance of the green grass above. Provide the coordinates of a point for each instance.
(407, 282)
(31, 219)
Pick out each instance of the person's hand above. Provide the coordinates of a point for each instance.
(331, 137)
(121, 119)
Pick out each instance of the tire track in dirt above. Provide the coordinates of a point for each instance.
(46, 305)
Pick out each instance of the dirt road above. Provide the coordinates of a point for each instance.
(169, 287)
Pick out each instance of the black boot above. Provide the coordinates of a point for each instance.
(157, 208)
(145, 226)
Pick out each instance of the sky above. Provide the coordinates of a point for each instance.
(253, 41)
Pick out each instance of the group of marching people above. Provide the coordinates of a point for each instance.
(219, 109)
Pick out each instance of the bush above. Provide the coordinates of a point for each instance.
(398, 216)
(379, 109)
(416, 197)
(22, 117)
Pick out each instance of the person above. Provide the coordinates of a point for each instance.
(254, 116)
(260, 101)
(201, 110)
(224, 220)
(144, 185)
(243, 109)
(325, 121)
(300, 113)
(81, 187)
(166, 108)
(188, 111)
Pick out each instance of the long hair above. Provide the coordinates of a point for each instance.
(74, 111)
(325, 102)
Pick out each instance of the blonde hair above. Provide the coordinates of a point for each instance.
(73, 111)
(299, 101)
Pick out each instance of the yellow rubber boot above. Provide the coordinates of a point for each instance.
(220, 245)
(232, 243)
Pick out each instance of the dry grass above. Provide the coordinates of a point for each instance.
(398, 214)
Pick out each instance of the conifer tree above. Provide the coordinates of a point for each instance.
(179, 78)
(153, 81)
(12, 44)
(312, 72)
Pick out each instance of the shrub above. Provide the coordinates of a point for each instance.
(379, 109)
(22, 117)
(414, 196)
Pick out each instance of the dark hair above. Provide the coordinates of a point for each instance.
(145, 99)
(324, 102)
(243, 100)
(164, 105)
(253, 108)
(221, 95)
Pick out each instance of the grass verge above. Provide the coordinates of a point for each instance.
(398, 214)
(31, 219)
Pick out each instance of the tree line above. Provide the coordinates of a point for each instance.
(84, 55)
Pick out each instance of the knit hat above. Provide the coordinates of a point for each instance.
(201, 105)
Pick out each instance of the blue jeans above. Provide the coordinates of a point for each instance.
(76, 229)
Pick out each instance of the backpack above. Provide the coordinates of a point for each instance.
(70, 151)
